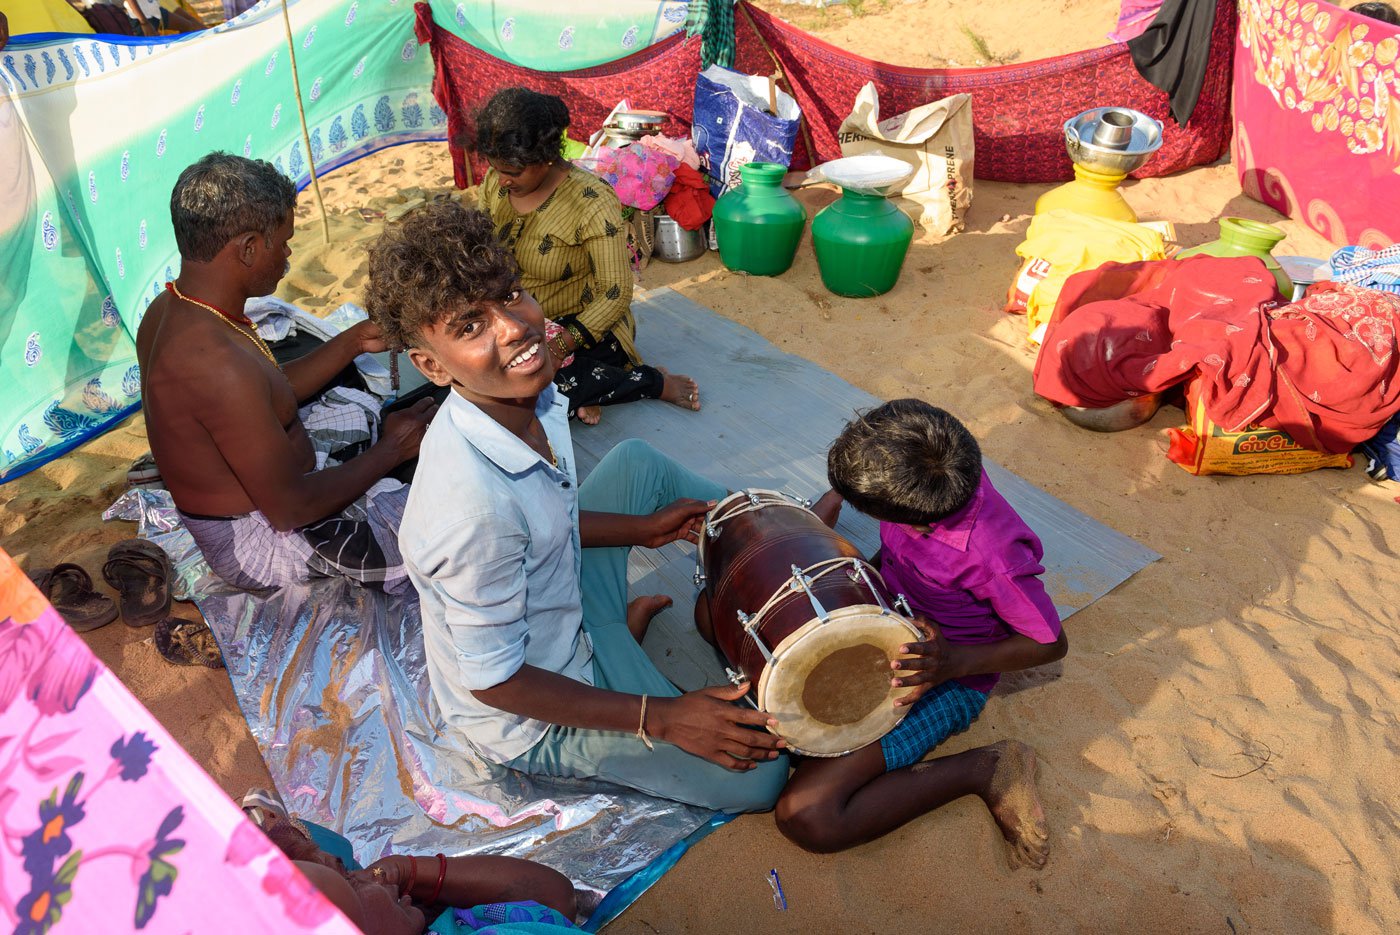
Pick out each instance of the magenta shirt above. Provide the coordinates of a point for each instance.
(976, 574)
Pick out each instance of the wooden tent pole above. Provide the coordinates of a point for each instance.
(802, 121)
(305, 134)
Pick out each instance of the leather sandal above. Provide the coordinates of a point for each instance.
(68, 588)
(140, 573)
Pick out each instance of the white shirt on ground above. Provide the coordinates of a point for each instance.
(490, 540)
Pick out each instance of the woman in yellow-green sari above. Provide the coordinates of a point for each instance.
(565, 228)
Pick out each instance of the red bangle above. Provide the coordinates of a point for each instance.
(412, 875)
(442, 875)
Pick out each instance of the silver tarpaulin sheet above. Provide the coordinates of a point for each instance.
(332, 681)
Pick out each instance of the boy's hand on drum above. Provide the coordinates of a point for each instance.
(679, 520)
(928, 660)
(708, 724)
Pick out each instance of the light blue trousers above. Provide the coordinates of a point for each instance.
(635, 478)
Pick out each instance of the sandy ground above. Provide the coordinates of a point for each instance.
(1216, 749)
(955, 33)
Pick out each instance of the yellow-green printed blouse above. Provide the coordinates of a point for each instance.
(572, 252)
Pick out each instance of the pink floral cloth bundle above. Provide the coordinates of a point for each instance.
(641, 176)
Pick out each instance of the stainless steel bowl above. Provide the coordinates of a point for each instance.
(1128, 414)
(1112, 140)
(675, 244)
(640, 122)
(618, 139)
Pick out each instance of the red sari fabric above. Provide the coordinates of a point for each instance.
(1322, 369)
(1127, 329)
(659, 77)
(1018, 111)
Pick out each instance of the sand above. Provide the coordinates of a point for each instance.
(1216, 749)
(955, 33)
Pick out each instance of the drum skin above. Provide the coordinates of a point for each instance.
(833, 678)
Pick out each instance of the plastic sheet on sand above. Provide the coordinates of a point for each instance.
(331, 679)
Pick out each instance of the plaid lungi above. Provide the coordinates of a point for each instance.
(946, 710)
(361, 542)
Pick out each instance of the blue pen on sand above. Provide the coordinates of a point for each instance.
(779, 900)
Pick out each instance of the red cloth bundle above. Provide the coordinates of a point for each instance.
(1322, 369)
(690, 203)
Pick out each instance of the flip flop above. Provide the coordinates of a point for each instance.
(143, 472)
(261, 803)
(68, 588)
(188, 643)
(140, 573)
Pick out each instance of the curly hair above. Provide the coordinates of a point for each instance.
(437, 259)
(520, 127)
(905, 462)
(222, 196)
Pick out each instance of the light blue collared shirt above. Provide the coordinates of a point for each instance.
(490, 540)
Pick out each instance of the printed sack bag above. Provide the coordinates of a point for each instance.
(1203, 447)
(936, 139)
(733, 125)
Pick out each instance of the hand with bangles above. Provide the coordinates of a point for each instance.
(403, 895)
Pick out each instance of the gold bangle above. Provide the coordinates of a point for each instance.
(561, 350)
(642, 726)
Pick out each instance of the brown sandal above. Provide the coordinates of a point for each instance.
(68, 588)
(188, 643)
(140, 572)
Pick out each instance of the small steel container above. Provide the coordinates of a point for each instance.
(675, 244)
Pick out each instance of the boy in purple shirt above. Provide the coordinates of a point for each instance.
(970, 568)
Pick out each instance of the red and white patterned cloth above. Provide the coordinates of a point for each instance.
(1337, 365)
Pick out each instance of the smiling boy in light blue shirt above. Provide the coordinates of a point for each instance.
(533, 650)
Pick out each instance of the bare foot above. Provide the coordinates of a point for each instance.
(828, 508)
(1012, 798)
(680, 390)
(590, 415)
(641, 611)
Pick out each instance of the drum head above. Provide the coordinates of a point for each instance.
(829, 683)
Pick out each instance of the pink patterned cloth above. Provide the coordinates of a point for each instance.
(1134, 16)
(108, 824)
(1316, 134)
(641, 176)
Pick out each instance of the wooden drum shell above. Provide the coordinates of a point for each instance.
(748, 567)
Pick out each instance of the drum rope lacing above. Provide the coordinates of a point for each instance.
(802, 579)
(752, 500)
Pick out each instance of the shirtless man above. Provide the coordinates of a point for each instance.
(265, 506)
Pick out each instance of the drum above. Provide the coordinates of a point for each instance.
(807, 620)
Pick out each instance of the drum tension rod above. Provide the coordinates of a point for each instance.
(801, 582)
(858, 573)
(901, 603)
(750, 625)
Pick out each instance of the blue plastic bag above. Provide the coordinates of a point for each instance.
(732, 125)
